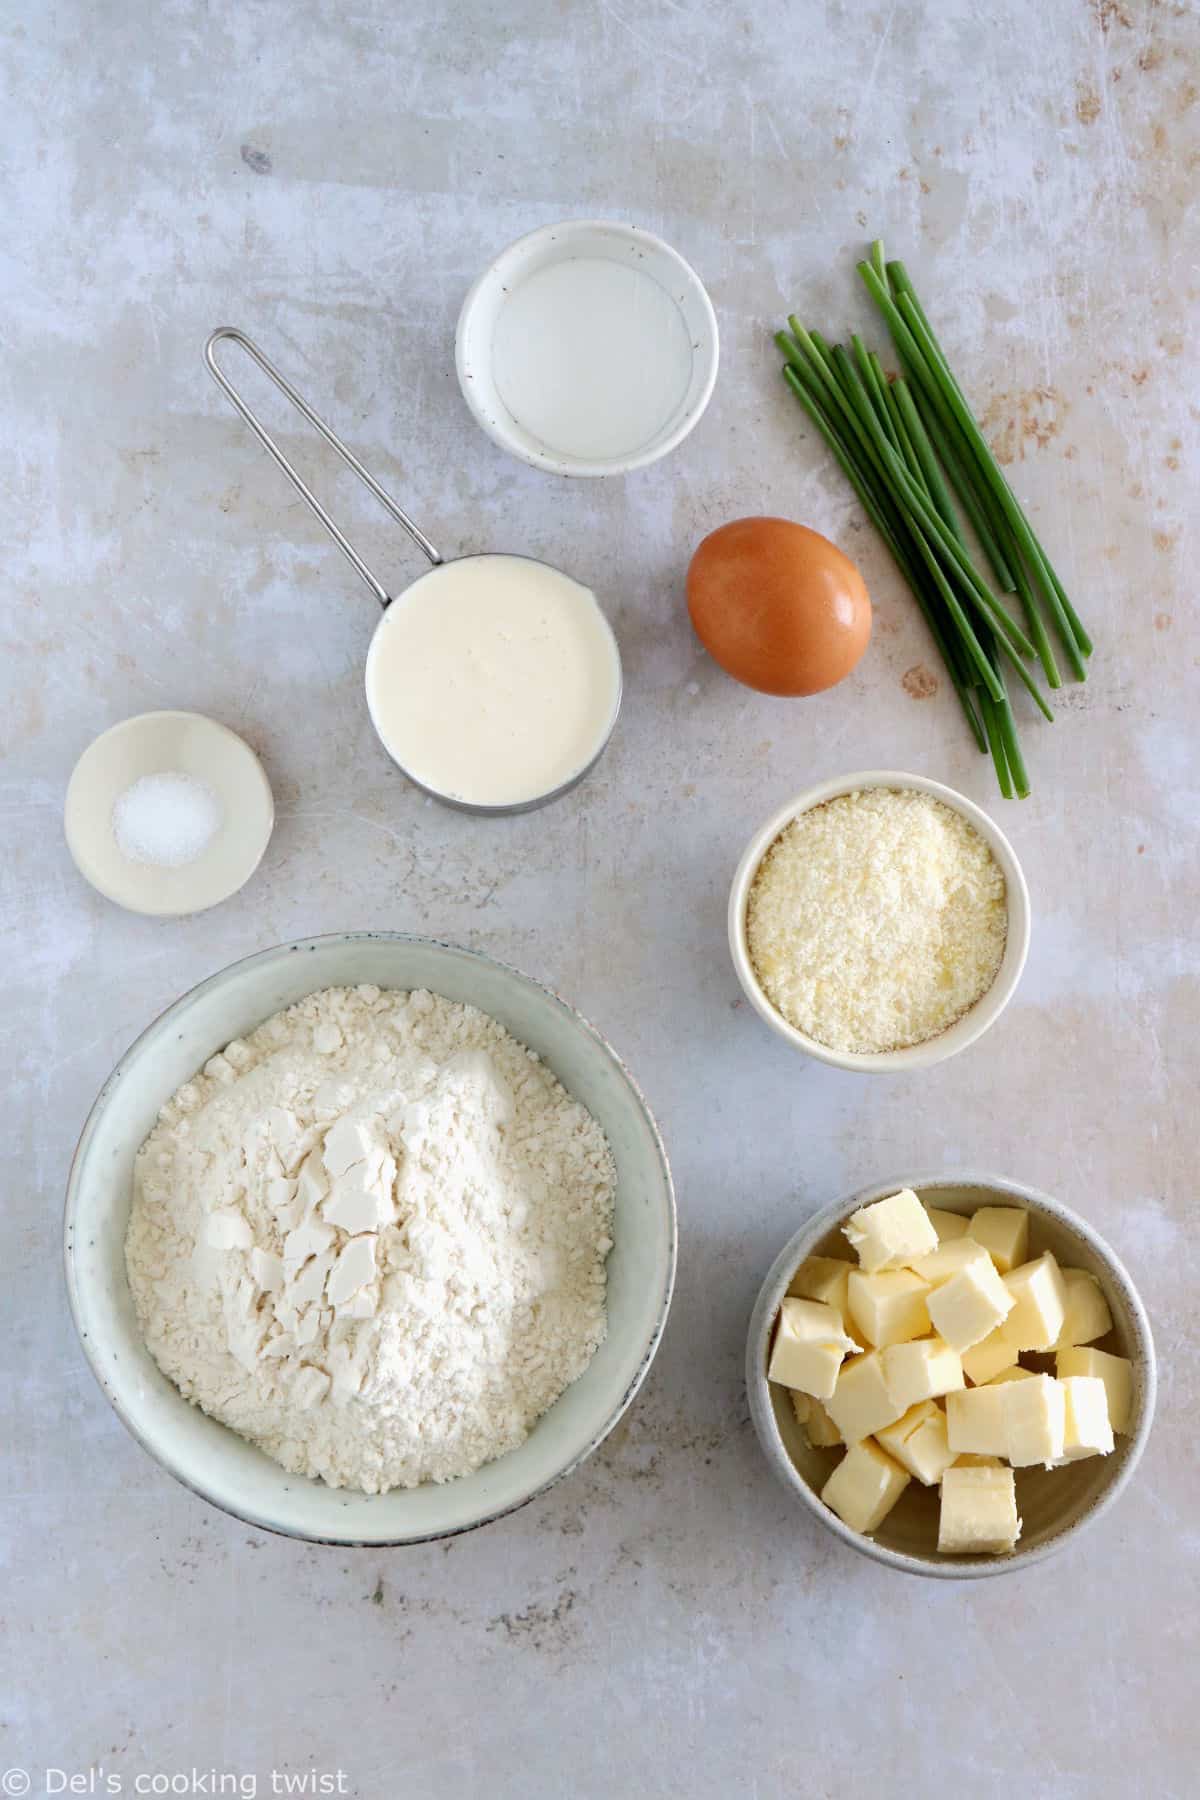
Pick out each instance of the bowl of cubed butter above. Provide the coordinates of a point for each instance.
(955, 1373)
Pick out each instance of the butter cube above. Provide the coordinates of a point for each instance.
(864, 1487)
(1088, 1316)
(979, 1512)
(821, 1278)
(861, 1403)
(947, 1224)
(1039, 1310)
(1035, 1419)
(1016, 1373)
(920, 1371)
(918, 1442)
(809, 1346)
(948, 1259)
(1116, 1372)
(989, 1358)
(1088, 1431)
(814, 1421)
(977, 1420)
(819, 1428)
(1004, 1233)
(969, 1306)
(891, 1233)
(824, 1278)
(888, 1307)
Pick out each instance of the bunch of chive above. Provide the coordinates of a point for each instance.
(898, 441)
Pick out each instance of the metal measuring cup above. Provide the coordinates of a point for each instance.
(359, 566)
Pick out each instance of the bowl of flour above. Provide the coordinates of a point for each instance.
(370, 1239)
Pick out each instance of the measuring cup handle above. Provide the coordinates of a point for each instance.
(331, 437)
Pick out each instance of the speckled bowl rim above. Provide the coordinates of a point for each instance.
(162, 1023)
(977, 1019)
(766, 1425)
(569, 232)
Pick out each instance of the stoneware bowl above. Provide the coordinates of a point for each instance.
(212, 1460)
(594, 240)
(1054, 1504)
(973, 1023)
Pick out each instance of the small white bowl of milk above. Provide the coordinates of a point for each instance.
(587, 348)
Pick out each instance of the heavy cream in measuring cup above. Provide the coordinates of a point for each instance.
(494, 680)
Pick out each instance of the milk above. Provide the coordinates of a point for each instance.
(592, 357)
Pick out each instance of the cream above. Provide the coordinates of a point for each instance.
(494, 680)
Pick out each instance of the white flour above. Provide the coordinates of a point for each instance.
(371, 1237)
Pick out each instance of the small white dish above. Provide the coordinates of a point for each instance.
(156, 743)
(538, 288)
(214, 1461)
(1054, 1503)
(973, 1023)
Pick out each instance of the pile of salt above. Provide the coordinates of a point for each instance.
(167, 820)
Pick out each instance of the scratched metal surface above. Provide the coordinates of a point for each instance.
(331, 177)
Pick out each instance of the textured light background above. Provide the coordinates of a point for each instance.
(330, 175)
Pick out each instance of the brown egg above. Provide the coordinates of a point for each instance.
(778, 606)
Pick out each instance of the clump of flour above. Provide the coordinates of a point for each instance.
(371, 1237)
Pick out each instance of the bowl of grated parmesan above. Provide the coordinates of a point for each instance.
(879, 922)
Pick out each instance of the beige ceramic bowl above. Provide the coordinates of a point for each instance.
(973, 1023)
(150, 744)
(1054, 1504)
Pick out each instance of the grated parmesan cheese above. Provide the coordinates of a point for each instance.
(876, 920)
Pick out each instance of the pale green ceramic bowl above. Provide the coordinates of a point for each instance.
(1054, 1504)
(215, 1462)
